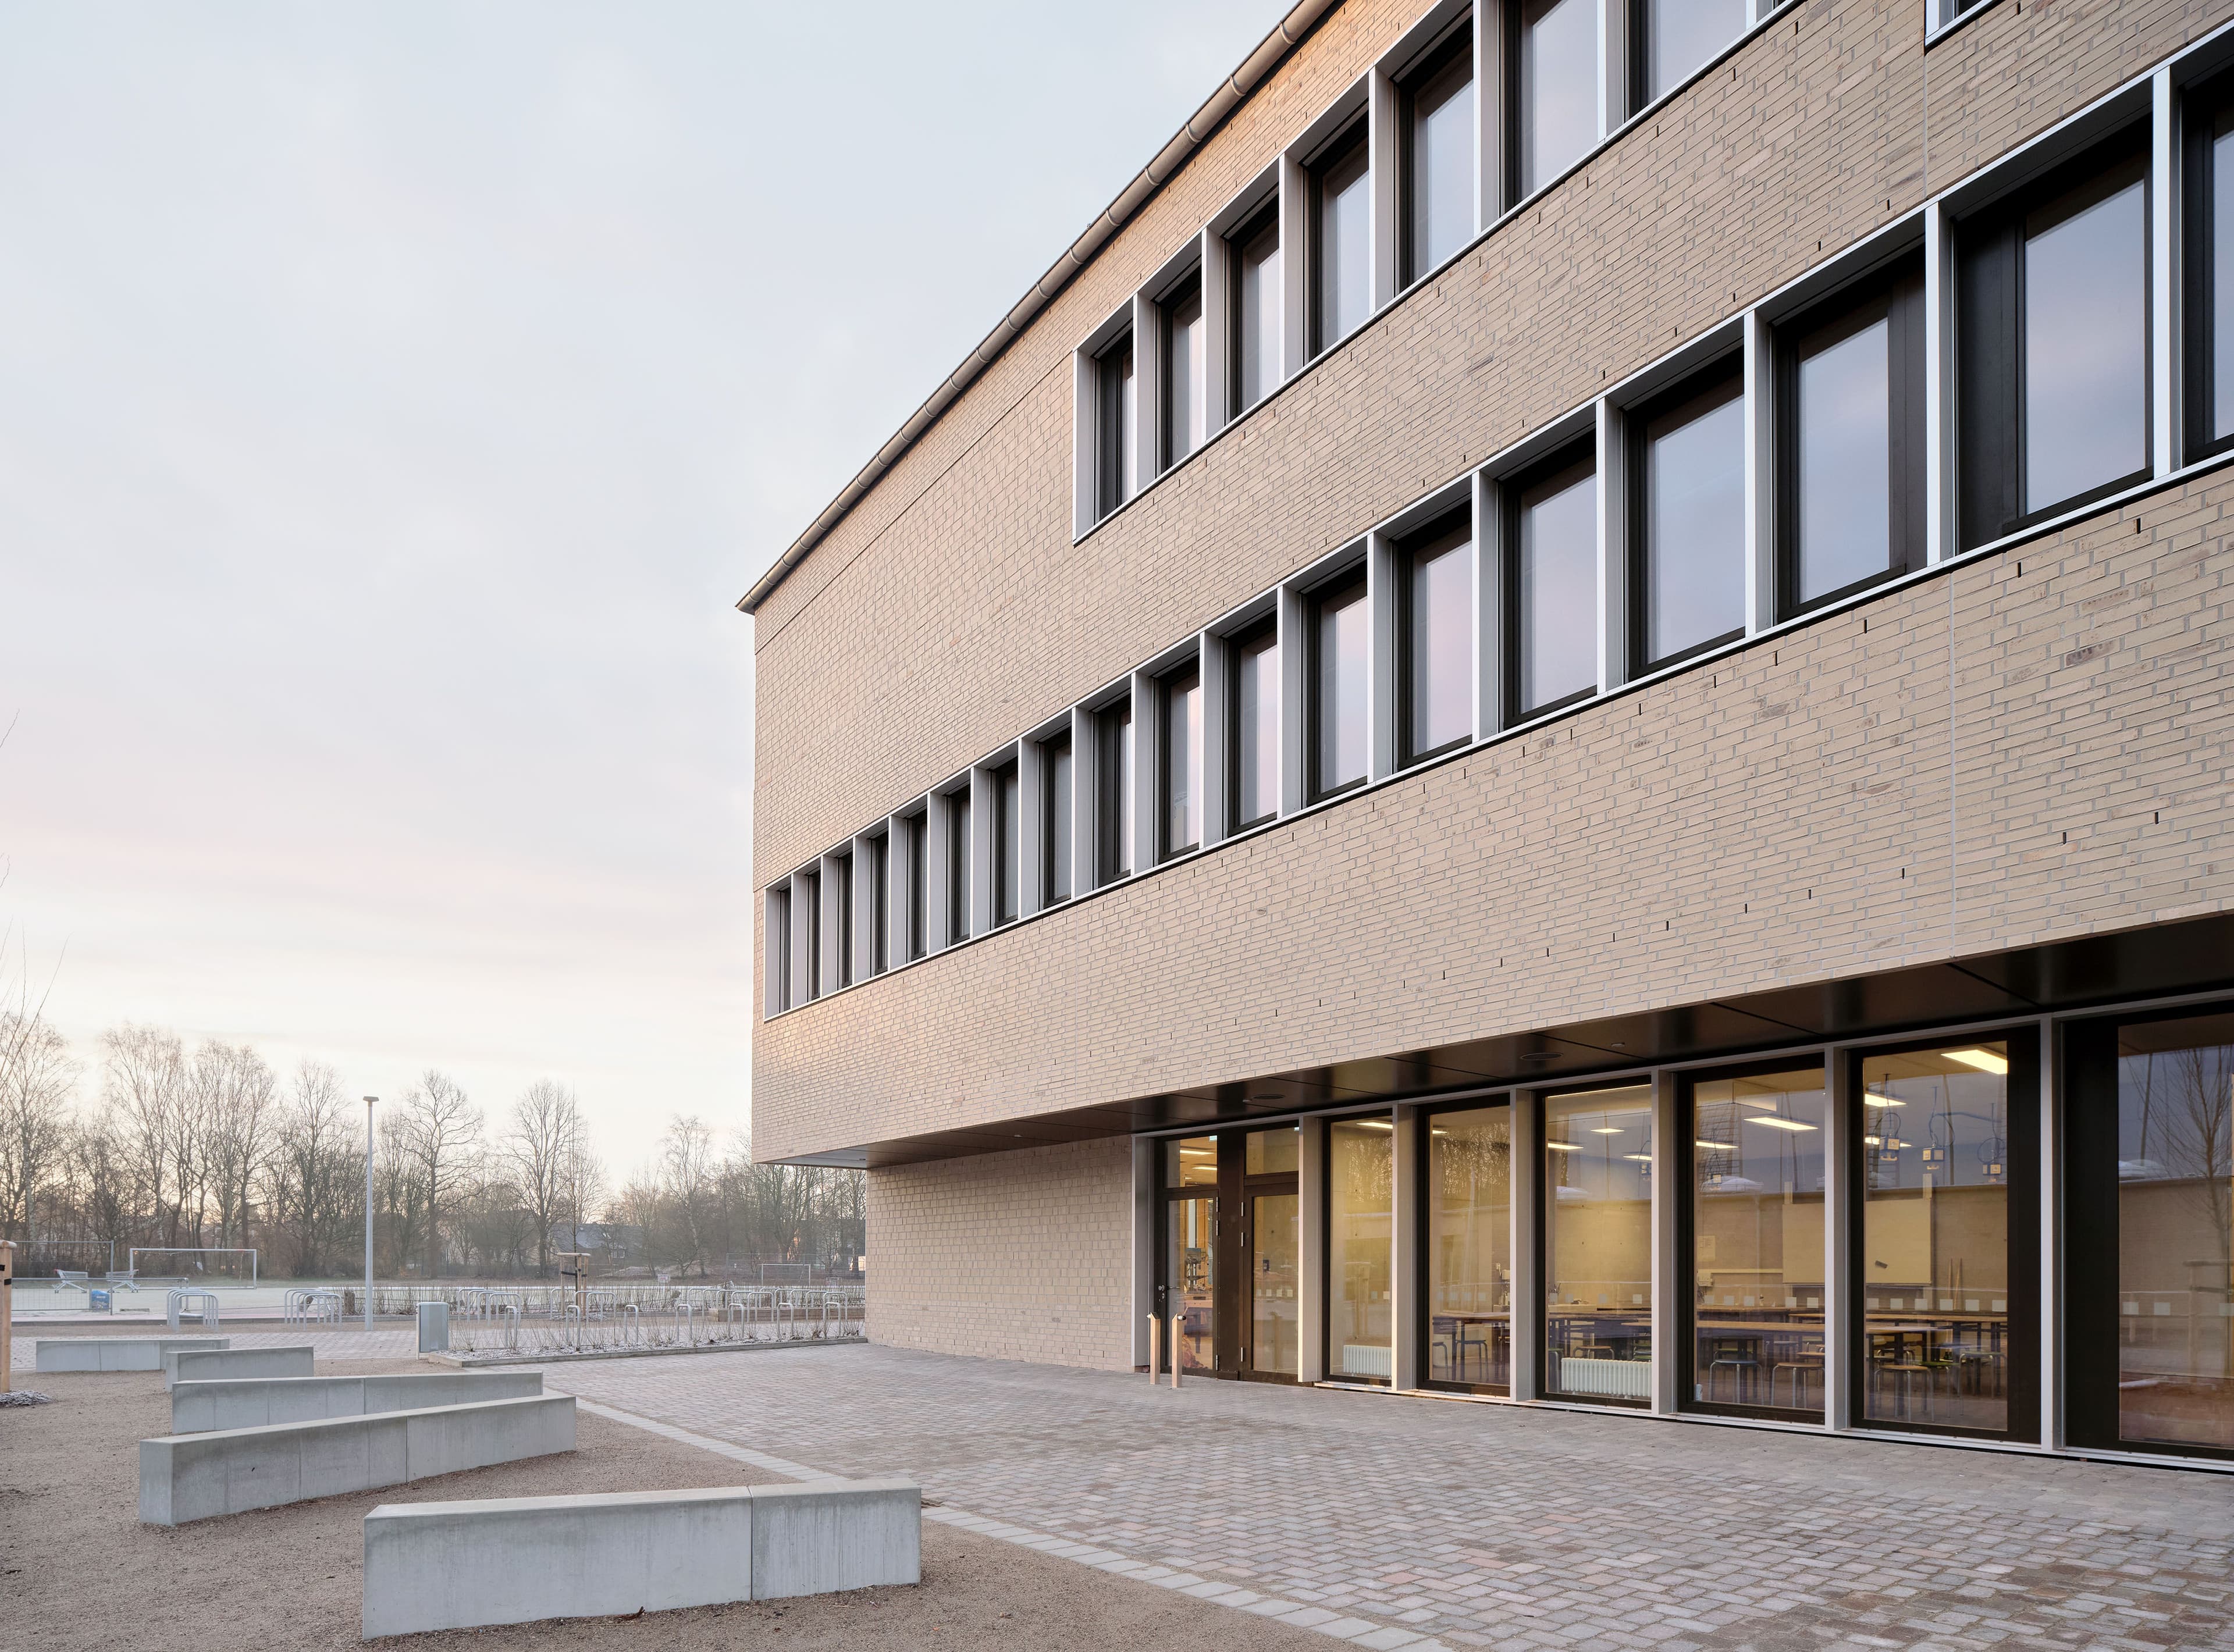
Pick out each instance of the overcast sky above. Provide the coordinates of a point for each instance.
(395, 399)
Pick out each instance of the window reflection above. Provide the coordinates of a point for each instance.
(1597, 1243)
(1340, 644)
(2222, 276)
(1182, 761)
(1438, 158)
(1255, 726)
(1055, 764)
(1256, 310)
(958, 866)
(1843, 412)
(1439, 640)
(1556, 586)
(1270, 1161)
(1558, 102)
(1114, 418)
(1470, 1247)
(1112, 805)
(1184, 403)
(1681, 35)
(2085, 339)
(1694, 522)
(1341, 244)
(1008, 845)
(1360, 1230)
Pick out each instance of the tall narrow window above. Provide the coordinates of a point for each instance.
(1851, 498)
(1113, 793)
(1184, 403)
(958, 866)
(1598, 1244)
(1360, 1249)
(1469, 1206)
(1180, 762)
(1254, 739)
(1552, 583)
(1341, 188)
(808, 886)
(1007, 844)
(1437, 123)
(1114, 415)
(1256, 319)
(880, 904)
(1688, 530)
(919, 882)
(2052, 343)
(1554, 93)
(1341, 662)
(1679, 37)
(1436, 570)
(841, 870)
(2208, 179)
(1054, 815)
(779, 954)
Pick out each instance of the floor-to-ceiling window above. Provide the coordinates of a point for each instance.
(1189, 1241)
(1469, 1201)
(1271, 1247)
(1596, 1205)
(1361, 1235)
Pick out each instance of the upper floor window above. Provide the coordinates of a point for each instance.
(1055, 820)
(958, 866)
(1436, 121)
(2053, 334)
(880, 902)
(841, 873)
(1678, 38)
(1180, 762)
(778, 950)
(1007, 844)
(808, 888)
(1554, 54)
(1551, 582)
(1115, 413)
(1689, 529)
(1435, 591)
(1254, 738)
(918, 884)
(1340, 183)
(1254, 323)
(2208, 177)
(1183, 401)
(1341, 664)
(1113, 791)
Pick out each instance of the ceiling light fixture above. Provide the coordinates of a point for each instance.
(1779, 1124)
(1984, 1059)
(1565, 1146)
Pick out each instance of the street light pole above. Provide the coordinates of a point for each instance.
(368, 1100)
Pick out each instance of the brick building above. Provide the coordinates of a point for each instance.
(1287, 835)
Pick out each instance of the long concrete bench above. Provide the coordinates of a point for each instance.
(194, 1477)
(198, 1407)
(516, 1560)
(114, 1353)
(215, 1364)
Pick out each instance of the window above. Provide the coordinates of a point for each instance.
(1341, 656)
(1114, 416)
(1054, 815)
(1272, 1242)
(1754, 1226)
(842, 869)
(1184, 385)
(2052, 343)
(1341, 190)
(1554, 93)
(1598, 1244)
(1180, 762)
(1469, 1244)
(1254, 738)
(1361, 1232)
(1688, 530)
(1007, 844)
(1851, 452)
(779, 962)
(880, 902)
(808, 887)
(1113, 793)
(1255, 320)
(919, 863)
(1552, 583)
(2208, 179)
(1190, 1285)
(1436, 120)
(1677, 38)
(958, 866)
(1435, 571)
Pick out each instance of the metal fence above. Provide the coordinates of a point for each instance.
(611, 1318)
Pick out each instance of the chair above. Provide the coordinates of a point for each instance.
(1740, 1357)
(1473, 1334)
(1805, 1365)
(74, 1281)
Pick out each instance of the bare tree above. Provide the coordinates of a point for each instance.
(688, 1177)
(315, 1174)
(141, 1074)
(238, 1096)
(544, 1136)
(442, 1127)
(37, 1080)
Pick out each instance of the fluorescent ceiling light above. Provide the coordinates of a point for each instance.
(1563, 1146)
(1984, 1059)
(1871, 1141)
(1642, 1157)
(1780, 1124)
(1368, 1124)
(1872, 1099)
(1605, 1130)
(1719, 1146)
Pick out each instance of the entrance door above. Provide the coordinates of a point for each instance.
(1264, 1323)
(1189, 1292)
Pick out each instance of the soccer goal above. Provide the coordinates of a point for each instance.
(203, 1264)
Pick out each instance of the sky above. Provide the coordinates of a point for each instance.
(394, 400)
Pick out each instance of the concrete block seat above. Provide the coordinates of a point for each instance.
(212, 1364)
(198, 1407)
(518, 1560)
(115, 1353)
(228, 1470)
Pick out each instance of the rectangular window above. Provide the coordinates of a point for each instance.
(1271, 1249)
(1180, 762)
(2207, 178)
(1190, 1284)
(1435, 588)
(1007, 844)
(842, 869)
(918, 860)
(958, 866)
(1184, 386)
(1340, 184)
(1554, 97)
(2052, 343)
(1256, 318)
(1341, 638)
(1851, 493)
(1552, 583)
(1254, 739)
(1676, 39)
(1114, 416)
(779, 962)
(808, 887)
(1598, 1246)
(1055, 813)
(1469, 1207)
(1688, 532)
(880, 902)
(1113, 793)
(1754, 1226)
(1436, 121)
(1361, 1237)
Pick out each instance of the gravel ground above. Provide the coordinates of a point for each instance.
(78, 1571)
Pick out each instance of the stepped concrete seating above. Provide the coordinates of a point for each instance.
(194, 1477)
(115, 1353)
(214, 1364)
(516, 1560)
(198, 1407)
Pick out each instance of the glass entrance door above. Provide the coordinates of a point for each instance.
(1270, 1250)
(1189, 1293)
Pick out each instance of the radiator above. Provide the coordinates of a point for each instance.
(1611, 1378)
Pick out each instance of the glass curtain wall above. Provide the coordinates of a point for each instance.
(1361, 1256)
(1469, 1247)
(1596, 1204)
(1190, 1281)
(1255, 741)
(1270, 1163)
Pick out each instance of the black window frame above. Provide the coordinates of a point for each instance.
(1423, 1233)
(1514, 114)
(880, 902)
(1641, 95)
(958, 870)
(1112, 364)
(841, 872)
(1005, 783)
(781, 949)
(1265, 221)
(1167, 411)
(1333, 152)
(1315, 602)
(1989, 341)
(1168, 686)
(1720, 381)
(1240, 643)
(1112, 800)
(1575, 455)
(1539, 1240)
(1409, 549)
(1058, 836)
(808, 885)
(918, 827)
(1894, 293)
(2204, 107)
(1456, 44)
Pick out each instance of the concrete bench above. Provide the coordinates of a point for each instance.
(198, 1407)
(215, 1364)
(516, 1560)
(115, 1353)
(195, 1477)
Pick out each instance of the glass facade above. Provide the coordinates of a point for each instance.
(1469, 1247)
(1190, 1281)
(1598, 1244)
(1361, 1256)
